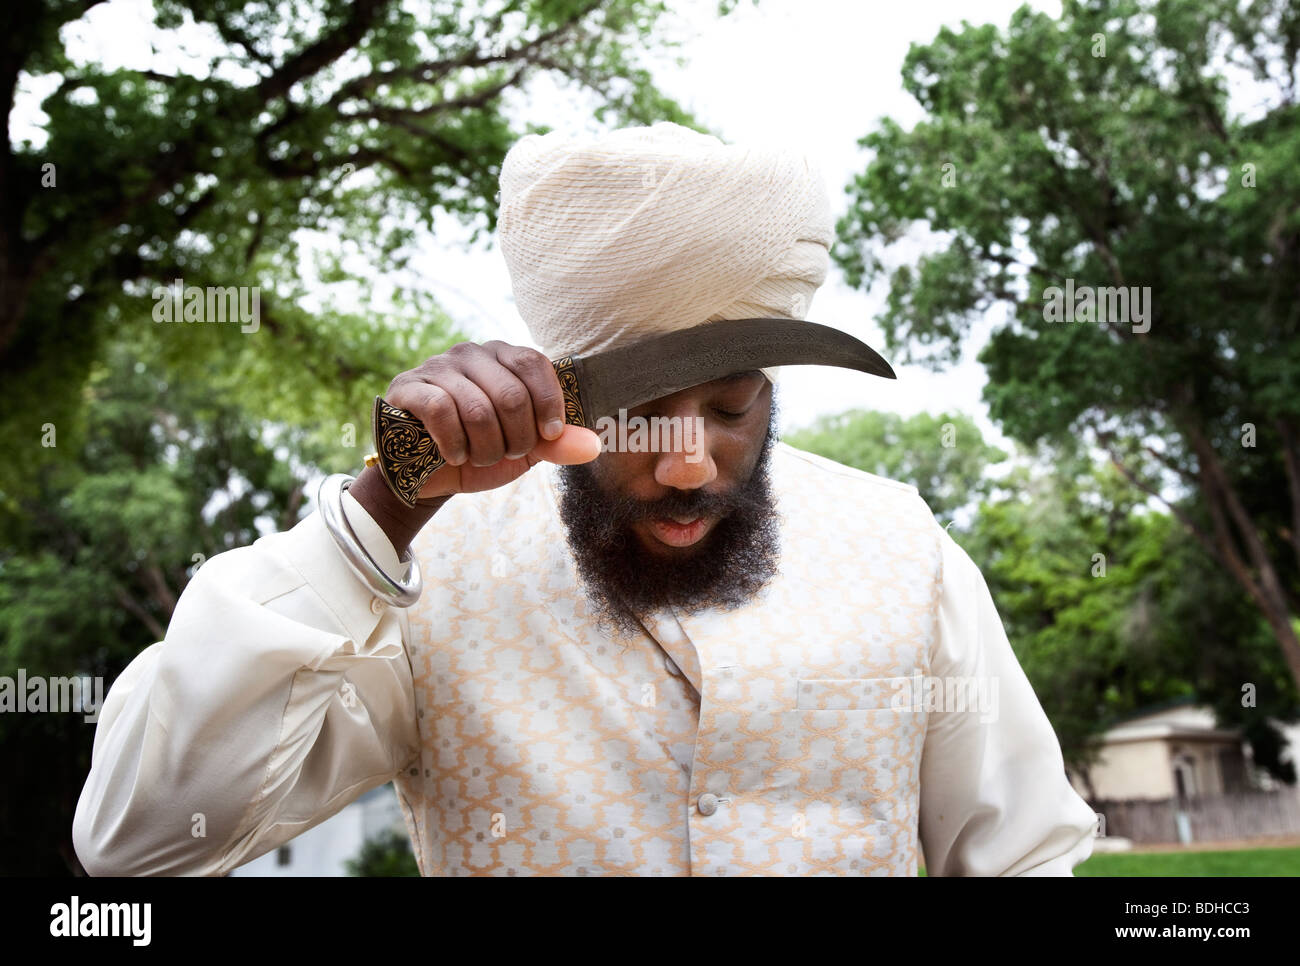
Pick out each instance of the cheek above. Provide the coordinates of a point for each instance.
(756, 438)
(736, 449)
(618, 472)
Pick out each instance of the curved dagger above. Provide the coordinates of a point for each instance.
(600, 385)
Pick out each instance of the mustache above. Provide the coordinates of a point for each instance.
(623, 581)
(621, 510)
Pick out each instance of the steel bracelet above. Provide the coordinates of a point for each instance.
(329, 499)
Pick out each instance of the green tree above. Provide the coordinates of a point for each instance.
(358, 119)
(388, 854)
(1112, 608)
(944, 457)
(1219, 644)
(1068, 556)
(1097, 151)
(168, 475)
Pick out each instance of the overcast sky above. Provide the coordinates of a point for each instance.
(816, 74)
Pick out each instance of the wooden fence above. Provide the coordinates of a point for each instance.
(1211, 818)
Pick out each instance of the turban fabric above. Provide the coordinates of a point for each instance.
(615, 237)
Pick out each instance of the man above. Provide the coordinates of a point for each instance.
(705, 662)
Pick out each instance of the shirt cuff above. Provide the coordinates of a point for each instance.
(372, 537)
(310, 549)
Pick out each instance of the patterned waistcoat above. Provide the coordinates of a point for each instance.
(766, 740)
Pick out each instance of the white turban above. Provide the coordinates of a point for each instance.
(613, 238)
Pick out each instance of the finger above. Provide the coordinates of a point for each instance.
(510, 398)
(478, 417)
(436, 408)
(576, 444)
(535, 371)
(475, 436)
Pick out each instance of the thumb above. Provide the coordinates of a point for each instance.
(576, 444)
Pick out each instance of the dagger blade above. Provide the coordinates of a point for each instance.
(633, 374)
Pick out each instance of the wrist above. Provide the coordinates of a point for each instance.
(399, 522)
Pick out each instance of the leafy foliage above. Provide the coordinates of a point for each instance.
(384, 855)
(1097, 150)
(355, 119)
(944, 457)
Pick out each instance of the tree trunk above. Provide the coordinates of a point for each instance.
(1234, 532)
(15, 287)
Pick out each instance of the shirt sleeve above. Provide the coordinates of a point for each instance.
(995, 798)
(281, 692)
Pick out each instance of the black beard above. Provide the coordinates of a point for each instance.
(624, 581)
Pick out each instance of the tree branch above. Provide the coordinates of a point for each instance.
(363, 14)
(290, 515)
(1213, 472)
(1291, 460)
(1179, 513)
(135, 607)
(393, 114)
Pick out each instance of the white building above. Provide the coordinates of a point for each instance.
(1180, 753)
(322, 850)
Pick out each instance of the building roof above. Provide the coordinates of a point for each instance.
(1174, 719)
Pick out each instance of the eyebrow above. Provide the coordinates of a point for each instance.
(737, 376)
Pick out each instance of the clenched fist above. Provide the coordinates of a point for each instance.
(495, 410)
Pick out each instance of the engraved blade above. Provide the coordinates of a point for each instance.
(630, 375)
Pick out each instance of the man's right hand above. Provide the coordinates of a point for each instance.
(495, 410)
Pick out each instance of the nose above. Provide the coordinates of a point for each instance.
(690, 466)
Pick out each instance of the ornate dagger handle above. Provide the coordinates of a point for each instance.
(407, 455)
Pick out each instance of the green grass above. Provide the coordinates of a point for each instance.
(1285, 861)
(1243, 862)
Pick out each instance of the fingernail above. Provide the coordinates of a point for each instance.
(553, 429)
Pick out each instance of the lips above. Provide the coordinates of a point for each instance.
(678, 531)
